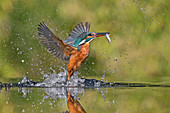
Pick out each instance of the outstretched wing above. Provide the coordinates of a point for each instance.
(80, 29)
(54, 44)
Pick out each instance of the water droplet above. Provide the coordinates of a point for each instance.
(45, 75)
(113, 101)
(45, 97)
(23, 110)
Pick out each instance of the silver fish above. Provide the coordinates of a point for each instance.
(108, 38)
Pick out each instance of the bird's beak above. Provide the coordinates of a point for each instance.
(104, 34)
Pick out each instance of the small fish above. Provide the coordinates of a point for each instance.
(108, 38)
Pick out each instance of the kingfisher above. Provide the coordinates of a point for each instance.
(74, 49)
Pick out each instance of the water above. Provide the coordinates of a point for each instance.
(60, 80)
(56, 95)
(100, 100)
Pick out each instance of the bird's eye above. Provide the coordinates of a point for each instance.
(91, 34)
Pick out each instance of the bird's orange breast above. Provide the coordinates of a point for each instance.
(77, 58)
(84, 51)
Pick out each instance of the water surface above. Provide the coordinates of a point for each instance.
(99, 100)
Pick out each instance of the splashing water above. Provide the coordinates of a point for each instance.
(60, 80)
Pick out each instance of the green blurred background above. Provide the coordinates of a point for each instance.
(139, 51)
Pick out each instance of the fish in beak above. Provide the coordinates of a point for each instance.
(104, 34)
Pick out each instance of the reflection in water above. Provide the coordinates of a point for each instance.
(55, 98)
(69, 94)
(73, 105)
(25, 91)
(95, 100)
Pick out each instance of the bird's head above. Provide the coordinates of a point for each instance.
(80, 35)
(88, 37)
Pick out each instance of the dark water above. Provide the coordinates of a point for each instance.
(55, 95)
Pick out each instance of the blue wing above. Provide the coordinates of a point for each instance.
(76, 33)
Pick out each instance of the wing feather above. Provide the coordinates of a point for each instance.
(54, 44)
(76, 32)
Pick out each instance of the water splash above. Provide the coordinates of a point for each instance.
(60, 80)
(55, 80)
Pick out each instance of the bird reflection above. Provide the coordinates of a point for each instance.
(73, 105)
(70, 94)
